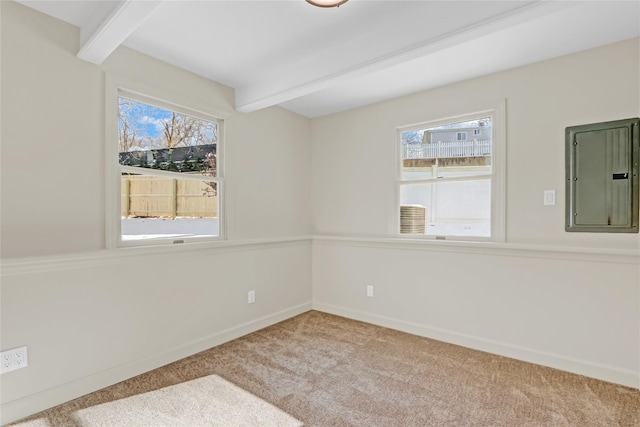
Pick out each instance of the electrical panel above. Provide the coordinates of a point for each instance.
(602, 177)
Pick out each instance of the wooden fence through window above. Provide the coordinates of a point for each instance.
(162, 197)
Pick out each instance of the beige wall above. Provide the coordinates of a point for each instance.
(353, 152)
(566, 300)
(268, 180)
(52, 114)
(53, 131)
(89, 316)
(568, 310)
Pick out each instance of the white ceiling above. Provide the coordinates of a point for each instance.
(320, 61)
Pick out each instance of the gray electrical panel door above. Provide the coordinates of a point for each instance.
(602, 177)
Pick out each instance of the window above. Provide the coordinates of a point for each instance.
(453, 189)
(476, 132)
(168, 164)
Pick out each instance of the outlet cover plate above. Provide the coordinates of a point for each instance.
(549, 197)
(13, 359)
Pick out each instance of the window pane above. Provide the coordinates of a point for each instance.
(161, 207)
(445, 151)
(461, 208)
(155, 138)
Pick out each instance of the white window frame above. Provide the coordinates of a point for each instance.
(116, 87)
(476, 132)
(497, 175)
(461, 136)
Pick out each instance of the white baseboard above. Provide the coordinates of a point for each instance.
(581, 367)
(31, 404)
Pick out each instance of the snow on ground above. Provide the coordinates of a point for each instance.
(156, 228)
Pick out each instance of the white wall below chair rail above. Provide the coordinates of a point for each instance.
(117, 316)
(574, 310)
(95, 319)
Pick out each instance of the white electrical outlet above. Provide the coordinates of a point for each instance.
(251, 298)
(13, 359)
(370, 291)
(7, 361)
(20, 357)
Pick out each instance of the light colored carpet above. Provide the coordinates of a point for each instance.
(204, 402)
(207, 401)
(326, 370)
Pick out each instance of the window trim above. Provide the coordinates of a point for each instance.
(497, 176)
(118, 86)
(461, 136)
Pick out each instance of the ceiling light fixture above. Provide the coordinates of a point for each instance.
(327, 3)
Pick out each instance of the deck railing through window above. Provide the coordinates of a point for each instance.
(447, 149)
